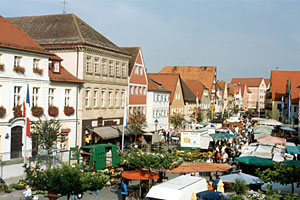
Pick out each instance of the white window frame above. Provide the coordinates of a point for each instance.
(104, 66)
(111, 68)
(17, 95)
(122, 98)
(132, 90)
(67, 97)
(36, 63)
(35, 96)
(116, 98)
(97, 65)
(95, 97)
(145, 91)
(141, 70)
(103, 98)
(110, 98)
(140, 91)
(118, 74)
(123, 70)
(17, 61)
(136, 70)
(56, 66)
(87, 97)
(1, 59)
(88, 63)
(136, 92)
(51, 96)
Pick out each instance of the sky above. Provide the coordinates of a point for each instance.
(243, 38)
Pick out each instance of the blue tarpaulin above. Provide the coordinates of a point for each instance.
(293, 149)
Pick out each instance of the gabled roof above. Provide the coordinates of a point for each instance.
(267, 81)
(133, 51)
(250, 82)
(168, 81)
(279, 80)
(63, 76)
(188, 95)
(204, 74)
(11, 36)
(155, 86)
(196, 87)
(62, 29)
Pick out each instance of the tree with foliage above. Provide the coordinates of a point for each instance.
(45, 134)
(142, 160)
(281, 173)
(65, 179)
(236, 109)
(199, 117)
(137, 122)
(177, 120)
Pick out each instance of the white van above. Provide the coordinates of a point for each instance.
(180, 188)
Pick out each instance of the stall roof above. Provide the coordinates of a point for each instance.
(293, 149)
(109, 132)
(189, 167)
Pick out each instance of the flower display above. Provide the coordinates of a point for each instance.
(1, 67)
(19, 69)
(2, 111)
(53, 111)
(37, 111)
(17, 111)
(38, 70)
(69, 110)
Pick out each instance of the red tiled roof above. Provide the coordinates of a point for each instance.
(63, 76)
(267, 81)
(11, 36)
(168, 80)
(251, 82)
(56, 57)
(196, 87)
(155, 86)
(279, 80)
(204, 74)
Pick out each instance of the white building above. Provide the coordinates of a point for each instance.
(157, 115)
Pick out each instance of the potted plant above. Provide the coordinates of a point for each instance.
(69, 110)
(17, 111)
(2, 111)
(19, 69)
(1, 67)
(38, 70)
(37, 111)
(53, 111)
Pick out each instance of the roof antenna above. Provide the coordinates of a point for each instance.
(277, 68)
(64, 2)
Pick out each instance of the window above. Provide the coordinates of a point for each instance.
(88, 63)
(17, 95)
(51, 97)
(95, 99)
(87, 97)
(131, 90)
(67, 97)
(130, 111)
(136, 92)
(145, 91)
(17, 61)
(1, 59)
(157, 97)
(122, 98)
(35, 96)
(144, 111)
(104, 68)
(111, 68)
(124, 70)
(96, 65)
(116, 98)
(36, 63)
(110, 98)
(118, 69)
(56, 66)
(141, 70)
(140, 91)
(103, 98)
(136, 71)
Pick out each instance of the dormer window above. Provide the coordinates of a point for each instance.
(56, 67)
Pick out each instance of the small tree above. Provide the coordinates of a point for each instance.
(177, 120)
(282, 173)
(137, 122)
(236, 109)
(44, 134)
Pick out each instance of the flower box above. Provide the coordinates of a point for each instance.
(1, 67)
(37, 111)
(2, 111)
(19, 69)
(53, 111)
(17, 111)
(69, 110)
(38, 70)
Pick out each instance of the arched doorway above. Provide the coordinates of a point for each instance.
(16, 142)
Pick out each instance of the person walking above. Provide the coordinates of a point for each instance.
(124, 189)
(27, 193)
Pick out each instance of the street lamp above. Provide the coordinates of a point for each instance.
(156, 123)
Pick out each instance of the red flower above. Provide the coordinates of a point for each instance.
(53, 111)
(37, 70)
(2, 111)
(37, 111)
(69, 110)
(17, 111)
(19, 69)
